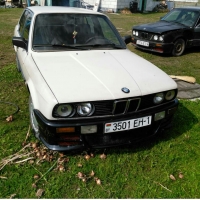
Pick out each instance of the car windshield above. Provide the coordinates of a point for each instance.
(75, 31)
(182, 16)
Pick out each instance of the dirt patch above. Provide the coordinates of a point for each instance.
(125, 11)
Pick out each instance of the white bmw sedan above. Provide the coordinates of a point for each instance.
(87, 90)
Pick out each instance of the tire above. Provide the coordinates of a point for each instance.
(179, 47)
(33, 121)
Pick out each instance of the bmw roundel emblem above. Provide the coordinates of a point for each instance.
(125, 90)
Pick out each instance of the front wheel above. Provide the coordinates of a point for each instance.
(179, 47)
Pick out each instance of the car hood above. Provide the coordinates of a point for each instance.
(159, 27)
(99, 75)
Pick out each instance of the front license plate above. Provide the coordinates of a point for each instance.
(143, 43)
(127, 124)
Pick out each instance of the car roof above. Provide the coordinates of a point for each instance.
(196, 8)
(60, 9)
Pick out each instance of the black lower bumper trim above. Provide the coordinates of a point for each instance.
(51, 139)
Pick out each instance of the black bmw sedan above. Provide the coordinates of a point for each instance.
(177, 30)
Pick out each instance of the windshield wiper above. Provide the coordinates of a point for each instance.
(177, 22)
(80, 46)
(60, 45)
(104, 45)
(69, 46)
(164, 20)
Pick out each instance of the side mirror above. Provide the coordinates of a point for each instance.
(127, 39)
(19, 42)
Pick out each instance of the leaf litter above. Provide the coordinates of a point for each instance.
(36, 153)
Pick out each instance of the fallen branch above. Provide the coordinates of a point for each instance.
(3, 177)
(16, 156)
(13, 195)
(28, 133)
(28, 145)
(21, 161)
(40, 173)
(162, 186)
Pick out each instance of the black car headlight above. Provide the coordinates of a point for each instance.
(133, 32)
(170, 95)
(85, 109)
(155, 37)
(158, 98)
(161, 38)
(65, 110)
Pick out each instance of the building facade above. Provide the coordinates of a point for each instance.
(113, 5)
(142, 5)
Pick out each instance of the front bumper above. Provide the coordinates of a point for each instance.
(154, 46)
(76, 140)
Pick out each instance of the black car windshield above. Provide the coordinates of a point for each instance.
(182, 16)
(55, 31)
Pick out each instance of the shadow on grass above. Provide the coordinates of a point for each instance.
(183, 121)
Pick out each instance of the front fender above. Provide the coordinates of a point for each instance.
(42, 97)
(43, 100)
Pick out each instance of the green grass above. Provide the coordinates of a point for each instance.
(138, 171)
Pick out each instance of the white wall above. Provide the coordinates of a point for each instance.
(106, 5)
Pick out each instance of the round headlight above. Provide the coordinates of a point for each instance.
(133, 32)
(170, 95)
(161, 38)
(136, 33)
(85, 109)
(158, 98)
(64, 110)
(155, 37)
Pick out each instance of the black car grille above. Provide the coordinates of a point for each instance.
(124, 106)
(145, 35)
(119, 107)
(116, 107)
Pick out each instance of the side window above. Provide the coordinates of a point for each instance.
(21, 23)
(24, 23)
(27, 25)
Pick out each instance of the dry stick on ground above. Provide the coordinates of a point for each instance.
(14, 157)
(21, 161)
(28, 133)
(3, 177)
(12, 196)
(6, 161)
(17, 155)
(162, 186)
(40, 173)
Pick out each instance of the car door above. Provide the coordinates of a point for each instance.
(23, 31)
(197, 34)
